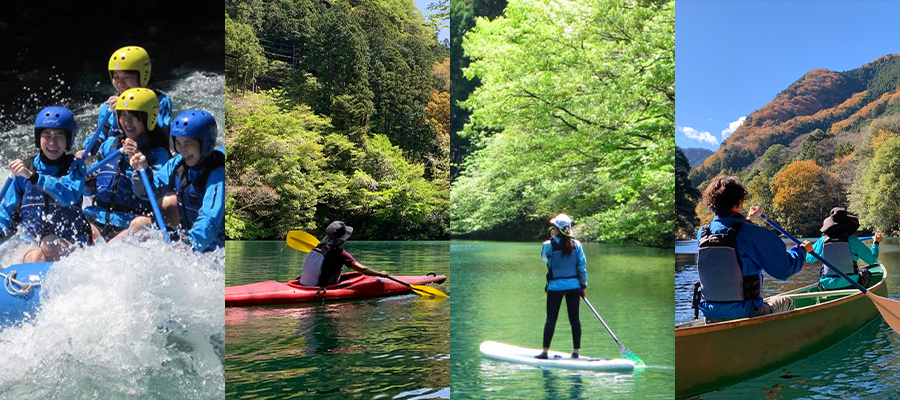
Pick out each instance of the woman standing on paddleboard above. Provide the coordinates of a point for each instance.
(566, 278)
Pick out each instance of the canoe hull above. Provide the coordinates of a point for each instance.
(521, 355)
(711, 356)
(352, 286)
(16, 307)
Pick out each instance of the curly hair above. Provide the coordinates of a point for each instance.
(723, 193)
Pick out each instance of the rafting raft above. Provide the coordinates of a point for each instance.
(351, 286)
(711, 356)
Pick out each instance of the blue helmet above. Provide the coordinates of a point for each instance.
(55, 117)
(198, 125)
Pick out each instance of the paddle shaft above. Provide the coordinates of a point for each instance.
(159, 219)
(818, 257)
(399, 281)
(110, 158)
(5, 188)
(596, 314)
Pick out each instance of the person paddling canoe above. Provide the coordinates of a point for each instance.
(842, 250)
(566, 277)
(324, 263)
(732, 254)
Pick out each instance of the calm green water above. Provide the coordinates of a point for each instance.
(500, 296)
(390, 348)
(864, 365)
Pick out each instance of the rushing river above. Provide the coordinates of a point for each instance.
(864, 365)
(500, 296)
(386, 348)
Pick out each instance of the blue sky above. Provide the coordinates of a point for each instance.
(422, 5)
(733, 57)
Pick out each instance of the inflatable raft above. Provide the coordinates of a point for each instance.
(20, 296)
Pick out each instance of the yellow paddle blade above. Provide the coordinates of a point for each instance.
(302, 241)
(889, 308)
(427, 291)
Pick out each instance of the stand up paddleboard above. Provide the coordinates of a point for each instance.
(20, 297)
(521, 355)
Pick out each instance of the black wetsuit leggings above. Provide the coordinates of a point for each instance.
(554, 301)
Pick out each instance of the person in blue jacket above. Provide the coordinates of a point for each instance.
(842, 249)
(46, 193)
(117, 211)
(129, 67)
(732, 254)
(194, 181)
(566, 278)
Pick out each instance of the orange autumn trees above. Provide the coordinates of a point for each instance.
(804, 194)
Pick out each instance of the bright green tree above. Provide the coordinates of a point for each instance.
(243, 55)
(876, 193)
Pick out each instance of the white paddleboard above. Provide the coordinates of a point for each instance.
(516, 354)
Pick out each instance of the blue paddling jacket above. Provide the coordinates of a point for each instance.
(49, 203)
(107, 122)
(758, 250)
(201, 197)
(115, 202)
(564, 271)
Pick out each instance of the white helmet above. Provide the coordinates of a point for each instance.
(561, 222)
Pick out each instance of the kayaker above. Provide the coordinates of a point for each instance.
(117, 211)
(566, 278)
(46, 193)
(323, 265)
(733, 252)
(842, 249)
(192, 182)
(129, 67)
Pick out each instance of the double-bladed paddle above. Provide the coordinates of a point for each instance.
(626, 353)
(302, 241)
(889, 308)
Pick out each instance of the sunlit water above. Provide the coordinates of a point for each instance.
(130, 320)
(864, 365)
(387, 348)
(500, 296)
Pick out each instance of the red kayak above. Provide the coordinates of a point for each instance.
(351, 286)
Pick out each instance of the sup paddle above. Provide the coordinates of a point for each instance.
(302, 241)
(889, 308)
(159, 219)
(626, 353)
(110, 158)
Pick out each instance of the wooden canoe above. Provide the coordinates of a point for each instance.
(709, 357)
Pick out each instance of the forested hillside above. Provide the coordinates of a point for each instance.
(829, 139)
(696, 155)
(340, 110)
(568, 107)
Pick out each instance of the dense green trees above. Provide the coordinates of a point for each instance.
(353, 125)
(575, 113)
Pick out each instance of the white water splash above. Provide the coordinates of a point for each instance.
(130, 320)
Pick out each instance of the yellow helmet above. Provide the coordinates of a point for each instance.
(131, 58)
(140, 99)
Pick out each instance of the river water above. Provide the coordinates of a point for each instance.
(387, 348)
(864, 365)
(500, 296)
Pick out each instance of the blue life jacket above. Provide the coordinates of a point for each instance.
(41, 215)
(114, 198)
(318, 270)
(190, 193)
(561, 265)
(720, 268)
(837, 252)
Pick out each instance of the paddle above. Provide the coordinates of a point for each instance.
(421, 290)
(889, 308)
(5, 188)
(110, 158)
(101, 120)
(302, 241)
(626, 353)
(159, 219)
(867, 238)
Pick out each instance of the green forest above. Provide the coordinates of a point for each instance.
(830, 139)
(563, 107)
(338, 110)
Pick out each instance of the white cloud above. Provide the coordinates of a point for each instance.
(692, 133)
(733, 127)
